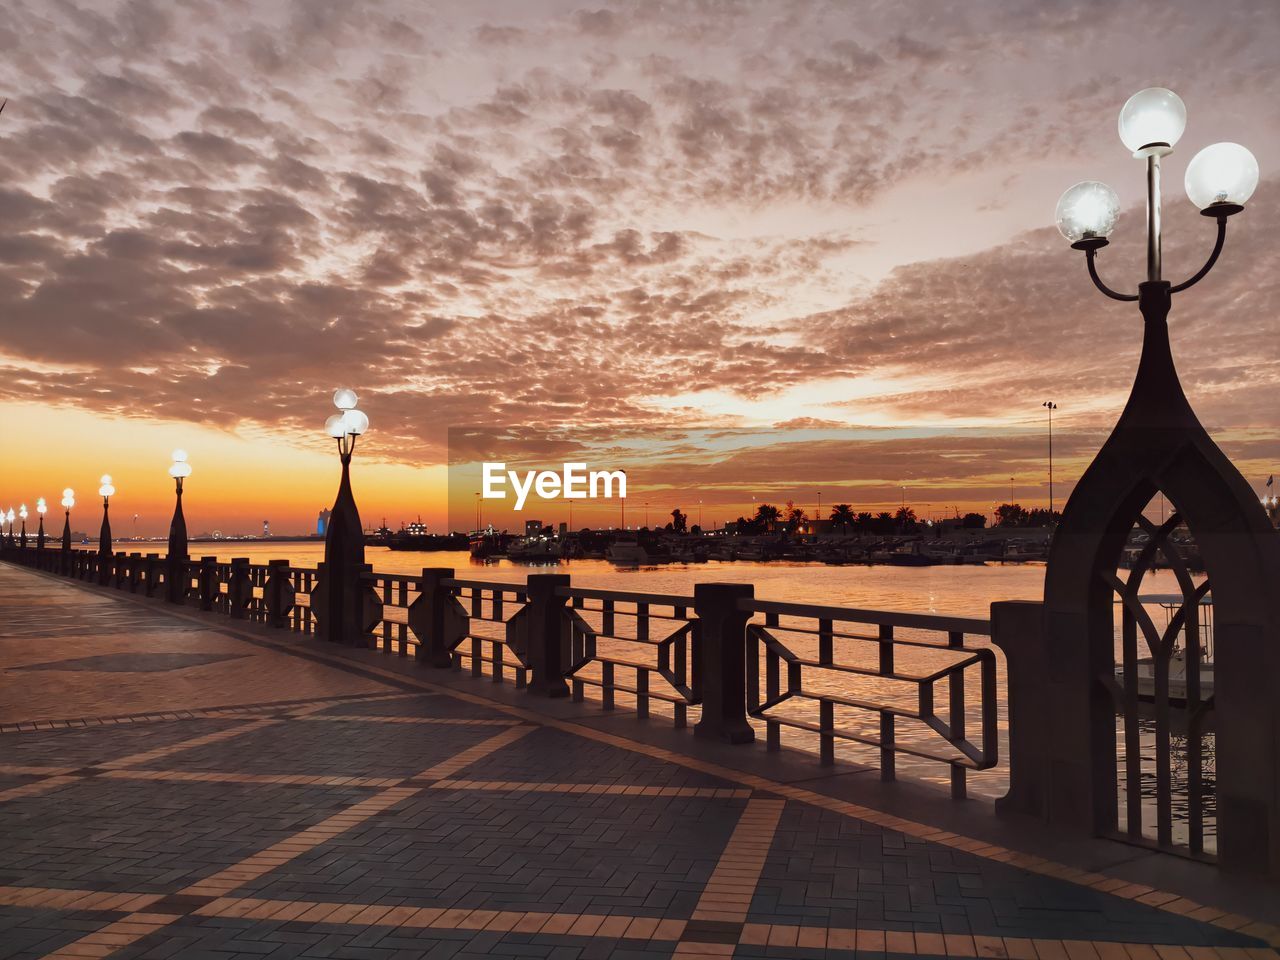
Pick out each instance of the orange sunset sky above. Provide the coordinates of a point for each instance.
(599, 224)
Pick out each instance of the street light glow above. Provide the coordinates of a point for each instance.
(1152, 121)
(180, 468)
(1088, 210)
(1221, 173)
(106, 490)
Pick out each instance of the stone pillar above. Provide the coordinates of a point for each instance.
(722, 658)
(546, 638)
(437, 619)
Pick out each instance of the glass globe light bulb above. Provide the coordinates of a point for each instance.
(344, 398)
(179, 456)
(41, 506)
(22, 512)
(1152, 121)
(336, 426)
(68, 492)
(180, 470)
(1221, 173)
(9, 515)
(68, 501)
(106, 490)
(1088, 210)
(106, 478)
(356, 422)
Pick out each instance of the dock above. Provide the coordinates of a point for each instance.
(176, 783)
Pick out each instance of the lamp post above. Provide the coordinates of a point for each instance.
(344, 538)
(1157, 446)
(68, 501)
(41, 509)
(104, 536)
(10, 517)
(22, 513)
(1050, 406)
(176, 560)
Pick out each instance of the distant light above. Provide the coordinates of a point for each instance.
(22, 511)
(1221, 173)
(106, 490)
(1088, 210)
(1152, 121)
(41, 506)
(68, 498)
(344, 398)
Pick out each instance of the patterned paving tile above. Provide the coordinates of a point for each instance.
(339, 748)
(156, 662)
(831, 870)
(150, 837)
(426, 705)
(82, 746)
(26, 934)
(553, 755)
(646, 856)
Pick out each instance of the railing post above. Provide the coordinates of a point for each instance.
(437, 619)
(135, 572)
(368, 609)
(153, 565)
(722, 655)
(239, 588)
(548, 634)
(208, 582)
(1017, 630)
(279, 593)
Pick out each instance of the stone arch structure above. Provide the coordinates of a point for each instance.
(1070, 776)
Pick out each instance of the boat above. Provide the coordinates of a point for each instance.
(1146, 670)
(539, 549)
(634, 553)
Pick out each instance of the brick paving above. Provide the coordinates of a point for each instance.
(172, 789)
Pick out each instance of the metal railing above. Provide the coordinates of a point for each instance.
(720, 656)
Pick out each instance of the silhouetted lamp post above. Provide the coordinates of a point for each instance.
(22, 513)
(104, 537)
(1050, 406)
(68, 501)
(176, 561)
(1068, 767)
(344, 537)
(41, 509)
(10, 517)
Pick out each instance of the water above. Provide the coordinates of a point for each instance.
(960, 591)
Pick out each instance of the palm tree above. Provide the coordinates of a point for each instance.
(767, 515)
(842, 516)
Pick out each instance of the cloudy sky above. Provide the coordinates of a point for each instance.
(603, 222)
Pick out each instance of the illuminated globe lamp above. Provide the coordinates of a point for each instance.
(340, 589)
(22, 513)
(41, 508)
(1157, 446)
(10, 516)
(106, 491)
(176, 560)
(68, 501)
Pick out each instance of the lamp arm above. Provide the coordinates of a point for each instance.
(1208, 265)
(1097, 281)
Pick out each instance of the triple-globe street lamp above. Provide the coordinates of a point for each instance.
(344, 535)
(176, 560)
(41, 509)
(22, 514)
(1219, 181)
(105, 491)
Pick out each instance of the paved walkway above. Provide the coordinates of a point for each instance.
(172, 787)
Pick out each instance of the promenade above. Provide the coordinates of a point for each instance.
(177, 784)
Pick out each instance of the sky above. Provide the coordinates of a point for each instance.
(601, 224)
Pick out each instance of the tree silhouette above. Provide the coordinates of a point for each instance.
(679, 521)
(842, 516)
(767, 515)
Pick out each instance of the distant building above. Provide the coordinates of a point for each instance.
(322, 522)
(532, 528)
(564, 529)
(266, 528)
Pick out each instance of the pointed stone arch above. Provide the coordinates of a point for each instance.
(1158, 446)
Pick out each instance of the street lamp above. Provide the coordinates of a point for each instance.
(1219, 180)
(1050, 406)
(10, 517)
(176, 560)
(68, 501)
(41, 509)
(22, 513)
(105, 491)
(344, 537)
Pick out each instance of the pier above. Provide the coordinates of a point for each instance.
(210, 779)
